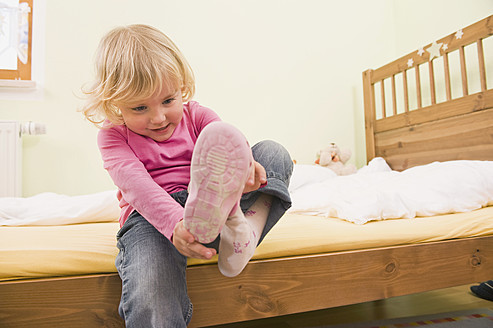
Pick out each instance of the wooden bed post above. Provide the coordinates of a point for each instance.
(369, 104)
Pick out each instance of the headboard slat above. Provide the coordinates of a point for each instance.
(369, 105)
(418, 87)
(394, 96)
(463, 71)
(406, 91)
(446, 71)
(432, 83)
(482, 71)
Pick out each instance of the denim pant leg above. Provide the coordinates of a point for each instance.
(278, 166)
(153, 274)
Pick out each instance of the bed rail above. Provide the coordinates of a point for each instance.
(400, 95)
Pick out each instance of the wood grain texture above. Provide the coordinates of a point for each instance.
(85, 301)
(284, 286)
(369, 105)
(455, 138)
(457, 298)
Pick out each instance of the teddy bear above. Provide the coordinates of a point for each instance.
(336, 159)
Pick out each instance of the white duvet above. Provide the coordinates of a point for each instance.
(376, 192)
(55, 209)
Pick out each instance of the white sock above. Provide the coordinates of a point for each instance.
(237, 244)
(258, 212)
(240, 235)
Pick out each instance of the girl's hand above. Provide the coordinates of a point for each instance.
(185, 244)
(257, 178)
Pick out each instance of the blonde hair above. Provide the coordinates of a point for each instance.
(132, 63)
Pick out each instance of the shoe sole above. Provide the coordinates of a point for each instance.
(219, 170)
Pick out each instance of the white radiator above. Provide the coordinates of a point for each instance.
(11, 154)
(10, 159)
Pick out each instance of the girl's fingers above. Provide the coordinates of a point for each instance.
(185, 244)
(199, 251)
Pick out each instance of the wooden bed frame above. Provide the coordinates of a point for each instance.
(460, 128)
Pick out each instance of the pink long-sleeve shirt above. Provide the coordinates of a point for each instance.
(146, 171)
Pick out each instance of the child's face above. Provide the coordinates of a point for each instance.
(156, 117)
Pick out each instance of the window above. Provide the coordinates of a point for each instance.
(15, 39)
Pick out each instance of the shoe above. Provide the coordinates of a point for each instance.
(220, 167)
(484, 290)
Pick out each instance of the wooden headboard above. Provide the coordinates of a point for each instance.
(409, 122)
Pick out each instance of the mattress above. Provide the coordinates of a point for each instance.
(28, 252)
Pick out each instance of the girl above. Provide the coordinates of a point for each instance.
(189, 185)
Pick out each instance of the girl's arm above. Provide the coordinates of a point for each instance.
(135, 183)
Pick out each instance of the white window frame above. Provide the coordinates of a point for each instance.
(32, 88)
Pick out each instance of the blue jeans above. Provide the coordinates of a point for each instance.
(153, 272)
